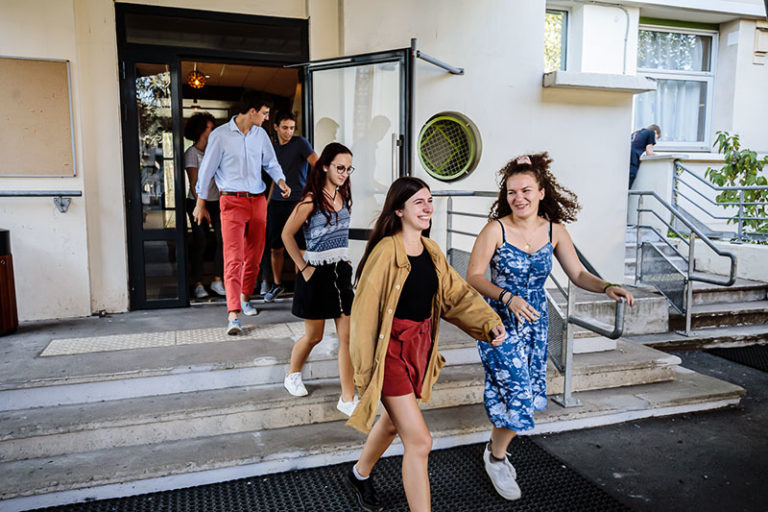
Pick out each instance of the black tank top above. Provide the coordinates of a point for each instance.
(419, 289)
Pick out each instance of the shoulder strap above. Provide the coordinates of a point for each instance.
(503, 231)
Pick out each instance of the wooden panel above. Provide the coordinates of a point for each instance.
(35, 118)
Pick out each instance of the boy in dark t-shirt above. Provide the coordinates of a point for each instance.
(295, 156)
(642, 142)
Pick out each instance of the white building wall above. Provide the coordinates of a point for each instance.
(50, 249)
(501, 49)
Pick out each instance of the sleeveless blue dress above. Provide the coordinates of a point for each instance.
(516, 370)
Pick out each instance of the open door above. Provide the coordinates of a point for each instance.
(363, 102)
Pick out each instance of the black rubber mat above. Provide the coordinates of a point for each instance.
(755, 356)
(457, 479)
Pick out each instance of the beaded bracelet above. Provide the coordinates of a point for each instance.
(506, 304)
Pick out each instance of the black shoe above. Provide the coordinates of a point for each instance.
(364, 492)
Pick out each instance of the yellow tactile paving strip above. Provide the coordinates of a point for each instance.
(70, 346)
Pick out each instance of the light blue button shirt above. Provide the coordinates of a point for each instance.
(234, 160)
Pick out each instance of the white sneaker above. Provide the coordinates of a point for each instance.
(502, 475)
(200, 292)
(217, 287)
(294, 384)
(347, 407)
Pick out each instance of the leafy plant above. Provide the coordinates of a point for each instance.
(742, 168)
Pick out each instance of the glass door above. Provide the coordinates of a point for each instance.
(364, 102)
(154, 184)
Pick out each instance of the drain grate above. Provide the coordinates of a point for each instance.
(457, 479)
(755, 356)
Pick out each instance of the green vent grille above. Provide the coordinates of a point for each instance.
(449, 146)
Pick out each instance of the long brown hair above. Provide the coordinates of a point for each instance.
(559, 203)
(316, 182)
(388, 222)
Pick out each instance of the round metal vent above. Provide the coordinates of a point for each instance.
(449, 146)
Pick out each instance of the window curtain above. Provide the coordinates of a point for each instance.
(677, 106)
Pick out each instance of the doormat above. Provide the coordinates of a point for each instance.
(457, 478)
(755, 356)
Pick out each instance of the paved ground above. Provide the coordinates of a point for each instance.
(712, 461)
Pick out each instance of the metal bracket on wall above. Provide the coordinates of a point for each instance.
(423, 56)
(62, 203)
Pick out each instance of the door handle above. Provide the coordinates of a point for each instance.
(395, 155)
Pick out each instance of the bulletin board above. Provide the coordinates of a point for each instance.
(36, 134)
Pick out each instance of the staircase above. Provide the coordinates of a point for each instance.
(722, 316)
(103, 424)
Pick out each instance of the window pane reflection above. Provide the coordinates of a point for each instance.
(153, 101)
(160, 270)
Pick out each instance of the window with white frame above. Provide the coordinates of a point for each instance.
(682, 63)
(555, 38)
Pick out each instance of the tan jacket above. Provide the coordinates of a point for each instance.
(373, 309)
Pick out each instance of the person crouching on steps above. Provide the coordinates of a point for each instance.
(405, 286)
(324, 282)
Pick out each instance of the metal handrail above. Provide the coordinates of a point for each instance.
(591, 324)
(61, 198)
(739, 217)
(690, 274)
(704, 238)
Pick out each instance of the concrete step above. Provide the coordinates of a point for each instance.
(57, 430)
(722, 314)
(743, 290)
(649, 315)
(704, 338)
(100, 376)
(124, 471)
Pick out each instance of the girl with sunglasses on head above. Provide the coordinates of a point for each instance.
(404, 287)
(524, 232)
(324, 282)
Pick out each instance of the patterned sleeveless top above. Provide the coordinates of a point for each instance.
(327, 242)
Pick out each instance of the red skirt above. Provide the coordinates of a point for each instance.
(410, 345)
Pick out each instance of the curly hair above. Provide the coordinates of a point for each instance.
(559, 203)
(197, 124)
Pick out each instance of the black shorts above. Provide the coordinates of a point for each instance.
(327, 294)
(277, 215)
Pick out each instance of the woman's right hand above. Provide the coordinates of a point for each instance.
(307, 272)
(522, 310)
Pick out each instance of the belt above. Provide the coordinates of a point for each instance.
(240, 194)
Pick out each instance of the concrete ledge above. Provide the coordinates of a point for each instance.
(598, 81)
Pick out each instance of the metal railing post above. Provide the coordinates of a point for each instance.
(638, 241)
(448, 228)
(741, 215)
(567, 399)
(689, 283)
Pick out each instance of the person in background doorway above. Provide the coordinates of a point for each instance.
(518, 243)
(643, 141)
(405, 286)
(295, 155)
(234, 157)
(324, 282)
(197, 129)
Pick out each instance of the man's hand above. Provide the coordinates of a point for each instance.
(201, 212)
(285, 190)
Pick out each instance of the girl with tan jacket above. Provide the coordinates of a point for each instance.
(405, 286)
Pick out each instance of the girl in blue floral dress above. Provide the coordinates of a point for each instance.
(524, 232)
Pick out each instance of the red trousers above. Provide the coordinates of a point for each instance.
(243, 226)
